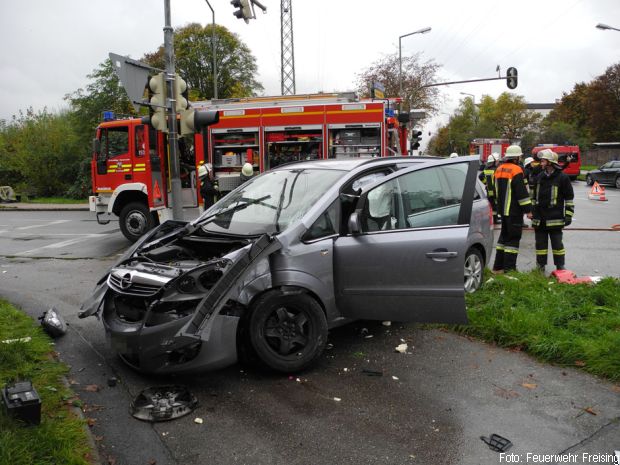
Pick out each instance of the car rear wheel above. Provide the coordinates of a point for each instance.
(589, 180)
(474, 268)
(617, 182)
(135, 220)
(287, 331)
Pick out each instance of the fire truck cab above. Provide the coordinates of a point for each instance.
(569, 157)
(485, 147)
(130, 159)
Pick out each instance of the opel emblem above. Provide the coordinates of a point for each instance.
(125, 281)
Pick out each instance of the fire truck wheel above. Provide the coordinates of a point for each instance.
(135, 219)
(288, 331)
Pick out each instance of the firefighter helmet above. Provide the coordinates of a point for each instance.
(203, 170)
(247, 170)
(494, 157)
(514, 151)
(549, 155)
(454, 155)
(527, 161)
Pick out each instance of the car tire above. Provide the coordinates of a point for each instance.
(589, 180)
(287, 331)
(135, 220)
(617, 183)
(474, 270)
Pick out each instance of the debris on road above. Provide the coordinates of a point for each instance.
(402, 348)
(162, 403)
(337, 399)
(198, 421)
(497, 443)
(52, 323)
(386, 323)
(112, 381)
(368, 372)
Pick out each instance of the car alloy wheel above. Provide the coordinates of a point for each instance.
(589, 180)
(617, 182)
(473, 270)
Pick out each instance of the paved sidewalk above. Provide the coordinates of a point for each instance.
(27, 206)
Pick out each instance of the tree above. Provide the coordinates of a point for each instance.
(236, 66)
(415, 75)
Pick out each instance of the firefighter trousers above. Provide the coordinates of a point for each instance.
(507, 248)
(543, 235)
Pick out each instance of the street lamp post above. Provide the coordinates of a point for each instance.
(400, 57)
(605, 27)
(213, 51)
(473, 97)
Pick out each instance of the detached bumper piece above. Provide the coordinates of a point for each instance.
(22, 401)
(163, 403)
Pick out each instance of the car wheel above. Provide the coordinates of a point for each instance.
(617, 182)
(474, 268)
(287, 331)
(589, 180)
(135, 220)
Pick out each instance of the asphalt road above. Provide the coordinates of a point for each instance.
(430, 405)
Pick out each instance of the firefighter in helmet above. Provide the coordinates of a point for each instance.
(554, 206)
(513, 201)
(208, 185)
(454, 155)
(487, 176)
(247, 171)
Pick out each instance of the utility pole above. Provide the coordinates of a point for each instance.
(173, 140)
(287, 51)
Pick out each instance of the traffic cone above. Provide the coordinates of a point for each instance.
(597, 192)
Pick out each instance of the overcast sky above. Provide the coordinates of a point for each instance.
(49, 46)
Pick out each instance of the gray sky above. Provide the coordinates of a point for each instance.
(48, 47)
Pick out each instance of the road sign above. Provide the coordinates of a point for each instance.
(133, 75)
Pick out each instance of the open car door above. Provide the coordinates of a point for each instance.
(403, 259)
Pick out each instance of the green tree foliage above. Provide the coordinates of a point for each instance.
(193, 49)
(415, 74)
(42, 150)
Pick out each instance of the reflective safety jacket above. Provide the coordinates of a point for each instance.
(487, 176)
(553, 200)
(512, 196)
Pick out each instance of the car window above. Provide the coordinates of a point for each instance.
(606, 165)
(424, 198)
(615, 164)
(325, 225)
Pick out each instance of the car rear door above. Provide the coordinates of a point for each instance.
(406, 262)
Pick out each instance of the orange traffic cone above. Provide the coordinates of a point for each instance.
(597, 192)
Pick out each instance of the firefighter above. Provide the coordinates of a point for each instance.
(247, 171)
(553, 209)
(454, 155)
(531, 169)
(487, 176)
(513, 201)
(208, 186)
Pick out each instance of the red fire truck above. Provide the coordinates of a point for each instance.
(485, 147)
(568, 155)
(130, 160)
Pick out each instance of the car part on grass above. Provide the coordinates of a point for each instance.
(22, 401)
(497, 443)
(163, 403)
(569, 277)
(52, 323)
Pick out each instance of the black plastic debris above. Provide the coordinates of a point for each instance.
(497, 443)
(369, 372)
(52, 323)
(112, 381)
(22, 401)
(163, 403)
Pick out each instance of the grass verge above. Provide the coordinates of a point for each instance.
(570, 325)
(60, 438)
(56, 200)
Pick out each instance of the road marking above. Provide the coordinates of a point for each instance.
(49, 223)
(60, 245)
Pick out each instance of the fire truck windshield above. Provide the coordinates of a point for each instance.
(271, 202)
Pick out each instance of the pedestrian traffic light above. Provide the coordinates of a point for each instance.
(245, 10)
(416, 137)
(181, 93)
(193, 121)
(157, 102)
(511, 78)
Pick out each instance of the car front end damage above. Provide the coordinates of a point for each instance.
(174, 304)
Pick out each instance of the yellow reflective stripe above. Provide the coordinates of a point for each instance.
(535, 222)
(559, 252)
(542, 252)
(499, 247)
(555, 222)
(511, 250)
(508, 199)
(569, 213)
(525, 201)
(554, 196)
(569, 203)
(135, 170)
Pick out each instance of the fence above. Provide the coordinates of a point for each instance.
(598, 156)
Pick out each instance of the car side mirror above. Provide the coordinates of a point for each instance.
(354, 225)
(96, 146)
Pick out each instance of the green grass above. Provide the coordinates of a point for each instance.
(60, 438)
(570, 325)
(588, 167)
(61, 200)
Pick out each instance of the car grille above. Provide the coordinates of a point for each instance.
(134, 288)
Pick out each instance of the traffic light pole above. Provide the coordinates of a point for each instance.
(173, 139)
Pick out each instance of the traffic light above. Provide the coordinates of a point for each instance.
(193, 121)
(511, 78)
(157, 101)
(245, 10)
(181, 93)
(416, 137)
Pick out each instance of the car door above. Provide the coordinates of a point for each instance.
(404, 258)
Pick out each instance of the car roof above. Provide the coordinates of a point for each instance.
(354, 163)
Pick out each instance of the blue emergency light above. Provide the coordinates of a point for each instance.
(108, 116)
(389, 112)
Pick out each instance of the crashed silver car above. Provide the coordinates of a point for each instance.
(276, 263)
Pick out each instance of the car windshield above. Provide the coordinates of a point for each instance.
(271, 202)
